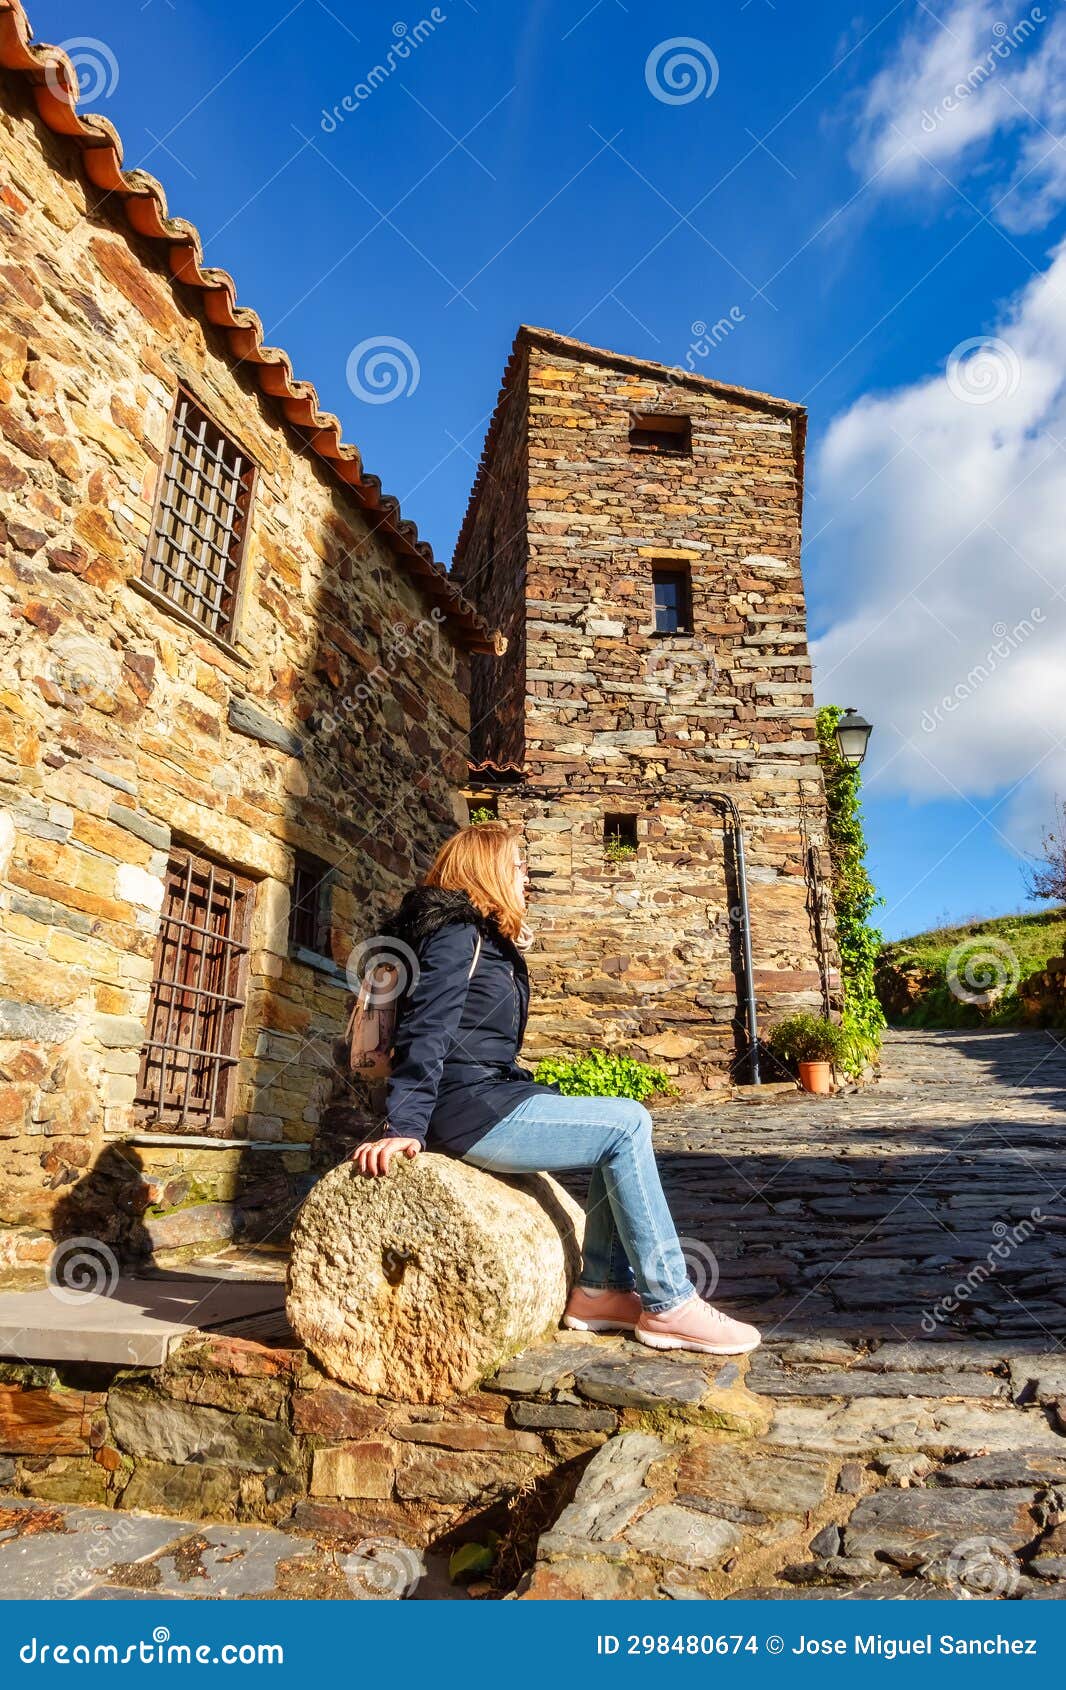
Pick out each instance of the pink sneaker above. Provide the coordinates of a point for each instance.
(602, 1311)
(697, 1326)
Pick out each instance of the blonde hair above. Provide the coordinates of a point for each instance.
(479, 861)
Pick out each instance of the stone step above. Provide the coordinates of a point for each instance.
(131, 1323)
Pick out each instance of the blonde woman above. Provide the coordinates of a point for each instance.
(456, 1087)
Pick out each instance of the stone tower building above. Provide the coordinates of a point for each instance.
(634, 531)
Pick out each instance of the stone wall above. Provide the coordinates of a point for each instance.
(1042, 996)
(493, 574)
(233, 1429)
(333, 721)
(620, 719)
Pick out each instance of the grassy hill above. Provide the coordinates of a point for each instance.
(929, 980)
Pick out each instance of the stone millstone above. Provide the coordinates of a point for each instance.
(418, 1285)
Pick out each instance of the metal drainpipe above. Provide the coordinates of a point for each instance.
(745, 934)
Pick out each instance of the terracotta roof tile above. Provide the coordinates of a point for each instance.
(54, 84)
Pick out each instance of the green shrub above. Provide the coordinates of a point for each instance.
(482, 813)
(599, 1073)
(809, 1038)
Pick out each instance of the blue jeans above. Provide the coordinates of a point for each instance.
(630, 1239)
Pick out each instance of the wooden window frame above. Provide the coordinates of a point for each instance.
(210, 1016)
(661, 434)
(320, 917)
(668, 569)
(181, 589)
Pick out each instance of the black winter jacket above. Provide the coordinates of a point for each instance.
(454, 1069)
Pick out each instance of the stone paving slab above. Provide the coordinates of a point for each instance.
(72, 1553)
(230, 1561)
(49, 1552)
(909, 1527)
(138, 1323)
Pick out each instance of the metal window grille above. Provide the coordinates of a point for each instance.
(198, 993)
(309, 907)
(201, 517)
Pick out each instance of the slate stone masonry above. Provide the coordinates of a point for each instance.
(592, 712)
(333, 721)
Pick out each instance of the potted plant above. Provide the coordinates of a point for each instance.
(812, 1045)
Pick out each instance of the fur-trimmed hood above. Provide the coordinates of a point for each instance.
(426, 909)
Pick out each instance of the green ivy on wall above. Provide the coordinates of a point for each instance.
(854, 896)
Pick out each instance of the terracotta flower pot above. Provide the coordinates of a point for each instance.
(816, 1077)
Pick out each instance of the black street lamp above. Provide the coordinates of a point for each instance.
(853, 736)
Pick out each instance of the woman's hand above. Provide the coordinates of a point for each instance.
(378, 1156)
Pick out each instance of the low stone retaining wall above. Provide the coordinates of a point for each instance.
(229, 1429)
(1043, 995)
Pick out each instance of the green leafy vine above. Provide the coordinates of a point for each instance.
(855, 898)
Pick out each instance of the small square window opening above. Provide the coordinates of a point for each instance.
(619, 838)
(310, 905)
(673, 600)
(663, 433)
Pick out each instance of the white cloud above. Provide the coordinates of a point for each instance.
(974, 74)
(939, 539)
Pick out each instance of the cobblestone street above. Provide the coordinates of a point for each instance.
(900, 1434)
(902, 1250)
(864, 1213)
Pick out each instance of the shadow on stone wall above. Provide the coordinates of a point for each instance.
(106, 1205)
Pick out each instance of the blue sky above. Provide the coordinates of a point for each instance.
(886, 244)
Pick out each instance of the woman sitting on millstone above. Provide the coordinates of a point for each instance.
(455, 1086)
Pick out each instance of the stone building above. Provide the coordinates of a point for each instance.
(233, 711)
(634, 532)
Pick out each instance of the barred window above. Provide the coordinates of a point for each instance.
(189, 1057)
(201, 518)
